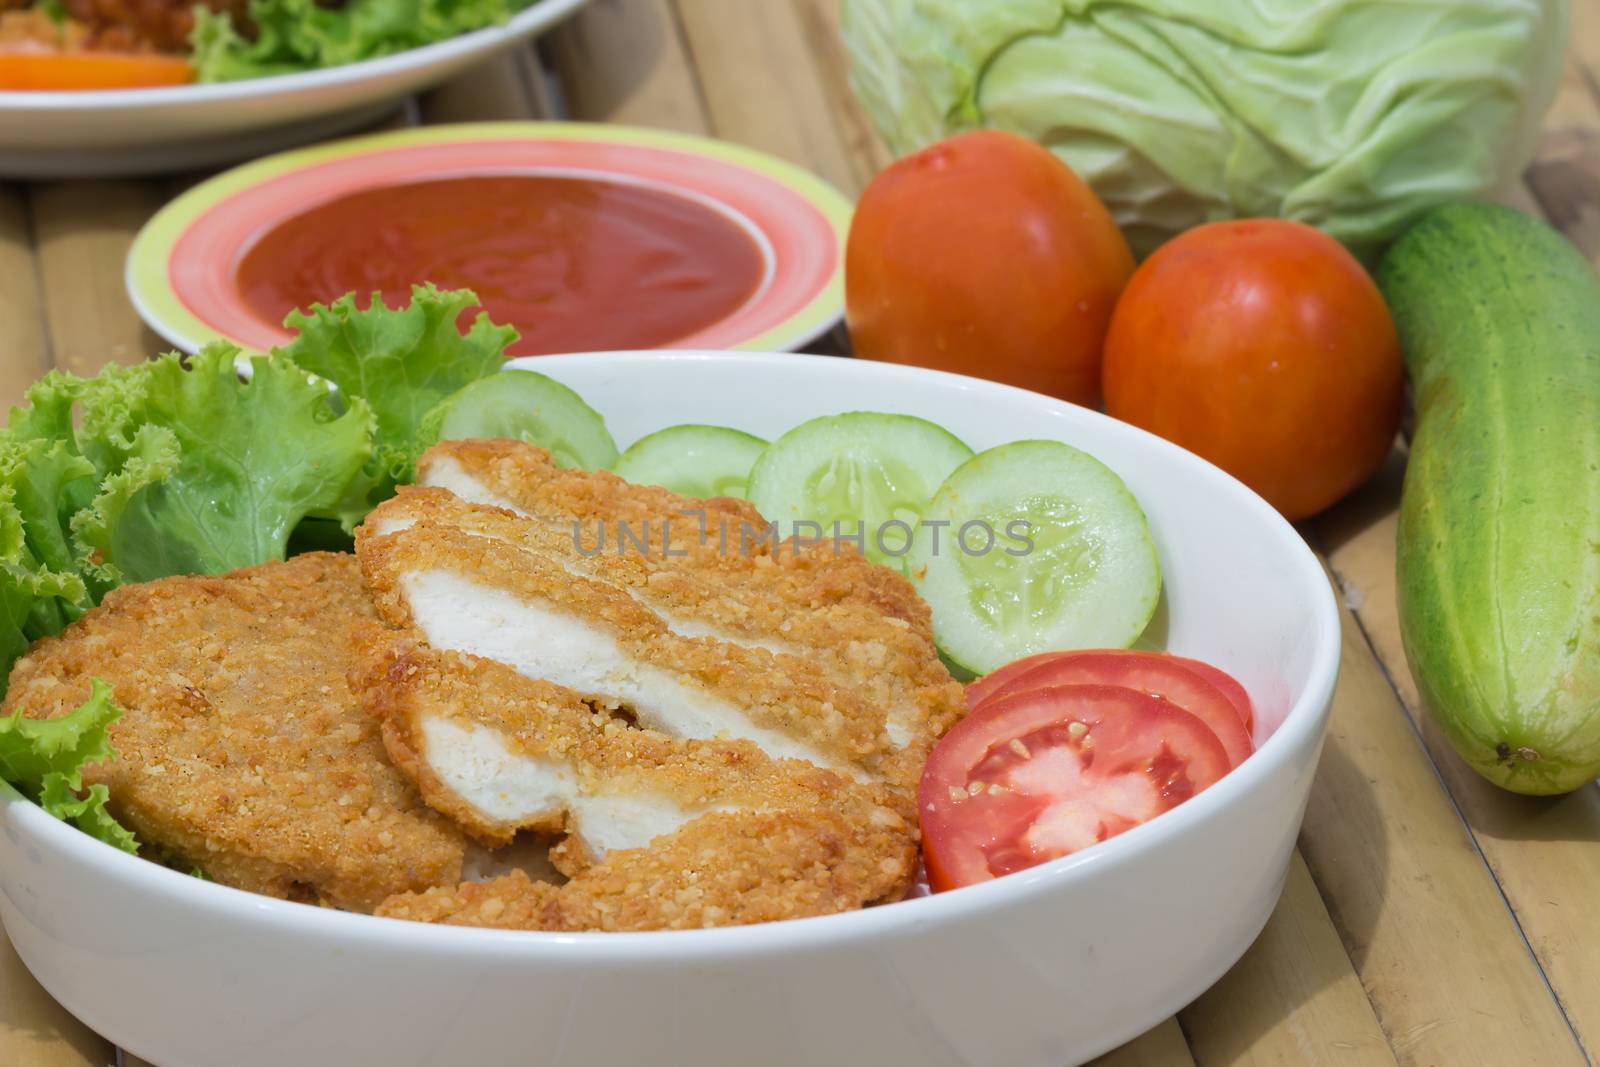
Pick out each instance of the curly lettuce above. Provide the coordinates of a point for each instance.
(43, 759)
(402, 361)
(230, 457)
(180, 465)
(298, 35)
(203, 464)
(41, 588)
(200, 465)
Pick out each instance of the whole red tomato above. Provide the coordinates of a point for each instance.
(986, 255)
(1263, 346)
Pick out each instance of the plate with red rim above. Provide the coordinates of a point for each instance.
(685, 196)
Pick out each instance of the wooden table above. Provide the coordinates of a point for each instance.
(1428, 917)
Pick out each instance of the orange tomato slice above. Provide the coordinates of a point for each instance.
(90, 70)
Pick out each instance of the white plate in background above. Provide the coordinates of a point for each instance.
(118, 132)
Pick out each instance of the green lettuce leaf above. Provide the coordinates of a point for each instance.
(221, 467)
(43, 759)
(48, 414)
(111, 412)
(200, 465)
(296, 35)
(152, 458)
(40, 591)
(402, 361)
(49, 481)
(17, 603)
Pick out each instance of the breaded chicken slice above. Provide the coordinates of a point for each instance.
(500, 753)
(855, 648)
(662, 833)
(524, 478)
(723, 535)
(242, 750)
(736, 868)
(491, 599)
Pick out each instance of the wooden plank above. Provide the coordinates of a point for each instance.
(22, 336)
(1586, 41)
(1294, 998)
(504, 89)
(1441, 956)
(1543, 852)
(1161, 1046)
(762, 85)
(625, 61)
(1565, 176)
(866, 150)
(35, 1030)
(83, 230)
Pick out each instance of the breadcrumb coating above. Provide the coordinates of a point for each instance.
(747, 601)
(772, 840)
(525, 478)
(408, 685)
(785, 633)
(242, 750)
(735, 868)
(774, 693)
(526, 673)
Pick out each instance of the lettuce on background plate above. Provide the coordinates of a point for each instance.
(298, 35)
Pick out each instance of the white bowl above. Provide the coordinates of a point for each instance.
(1046, 967)
(107, 132)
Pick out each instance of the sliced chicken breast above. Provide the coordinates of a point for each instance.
(717, 831)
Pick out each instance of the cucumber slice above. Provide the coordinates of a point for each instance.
(526, 406)
(869, 472)
(697, 461)
(1082, 572)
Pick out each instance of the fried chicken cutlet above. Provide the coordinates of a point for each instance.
(768, 646)
(722, 537)
(242, 750)
(662, 833)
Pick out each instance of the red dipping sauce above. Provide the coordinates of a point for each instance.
(573, 263)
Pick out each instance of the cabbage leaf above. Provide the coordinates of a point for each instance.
(1351, 116)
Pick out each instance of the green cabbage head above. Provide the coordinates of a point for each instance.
(1350, 115)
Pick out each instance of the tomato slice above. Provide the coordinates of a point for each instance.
(983, 688)
(1149, 672)
(90, 70)
(1045, 772)
(1229, 686)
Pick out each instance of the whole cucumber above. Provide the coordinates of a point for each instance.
(1498, 558)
